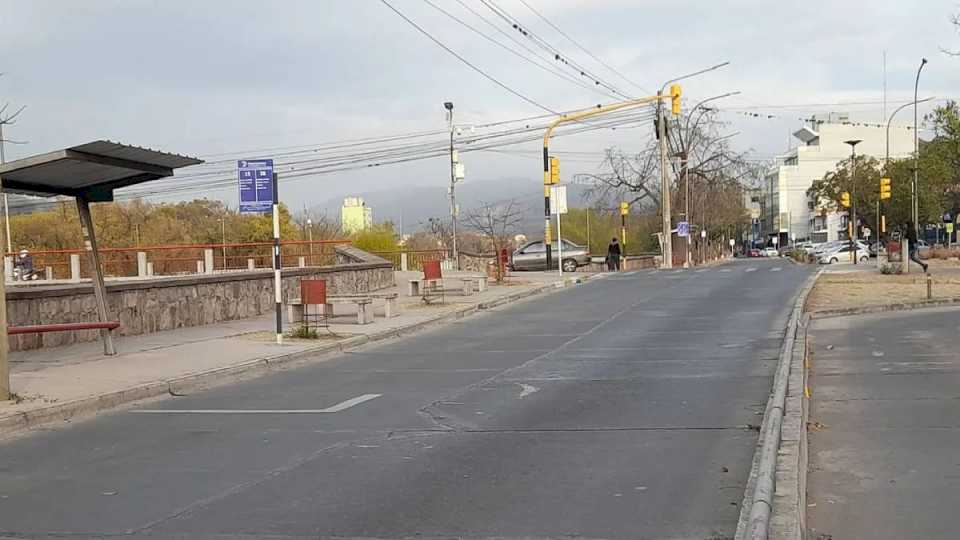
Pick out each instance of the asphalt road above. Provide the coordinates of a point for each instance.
(883, 448)
(616, 409)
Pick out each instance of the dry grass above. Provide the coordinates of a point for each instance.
(870, 288)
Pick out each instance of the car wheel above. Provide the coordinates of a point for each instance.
(569, 265)
(865, 259)
(834, 260)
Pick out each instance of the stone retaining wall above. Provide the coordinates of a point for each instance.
(151, 305)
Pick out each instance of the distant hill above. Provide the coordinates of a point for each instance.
(414, 205)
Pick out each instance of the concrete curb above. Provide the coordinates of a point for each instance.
(902, 306)
(775, 475)
(12, 424)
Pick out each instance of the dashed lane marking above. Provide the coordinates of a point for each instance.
(342, 406)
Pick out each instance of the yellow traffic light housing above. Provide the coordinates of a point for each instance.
(624, 208)
(845, 199)
(885, 188)
(675, 99)
(554, 170)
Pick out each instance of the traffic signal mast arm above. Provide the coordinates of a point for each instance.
(548, 178)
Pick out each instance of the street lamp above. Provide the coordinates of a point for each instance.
(310, 238)
(448, 105)
(916, 151)
(853, 197)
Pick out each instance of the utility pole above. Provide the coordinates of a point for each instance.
(686, 201)
(454, 211)
(6, 206)
(664, 184)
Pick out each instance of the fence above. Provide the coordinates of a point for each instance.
(182, 259)
(412, 259)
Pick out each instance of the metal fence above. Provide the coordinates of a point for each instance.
(182, 259)
(413, 259)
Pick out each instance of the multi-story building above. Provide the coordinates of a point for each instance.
(786, 210)
(355, 215)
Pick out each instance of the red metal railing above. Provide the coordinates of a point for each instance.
(182, 259)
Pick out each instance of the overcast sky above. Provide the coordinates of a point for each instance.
(209, 77)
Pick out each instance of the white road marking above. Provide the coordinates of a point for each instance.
(702, 270)
(775, 269)
(725, 270)
(752, 269)
(527, 389)
(342, 406)
(630, 273)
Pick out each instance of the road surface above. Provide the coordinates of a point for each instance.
(618, 409)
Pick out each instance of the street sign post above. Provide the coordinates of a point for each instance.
(259, 194)
(683, 228)
(558, 206)
(255, 183)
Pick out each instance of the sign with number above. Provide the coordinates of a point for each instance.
(558, 199)
(683, 228)
(255, 181)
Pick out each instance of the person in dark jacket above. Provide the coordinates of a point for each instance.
(613, 256)
(914, 246)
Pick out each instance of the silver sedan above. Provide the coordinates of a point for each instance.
(533, 256)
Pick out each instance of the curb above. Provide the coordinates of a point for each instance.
(901, 306)
(17, 422)
(773, 504)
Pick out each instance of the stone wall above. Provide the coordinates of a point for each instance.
(150, 305)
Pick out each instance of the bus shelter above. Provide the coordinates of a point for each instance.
(89, 173)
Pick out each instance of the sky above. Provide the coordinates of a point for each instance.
(225, 80)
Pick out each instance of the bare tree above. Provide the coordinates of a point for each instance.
(497, 223)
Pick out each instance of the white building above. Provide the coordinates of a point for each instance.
(786, 210)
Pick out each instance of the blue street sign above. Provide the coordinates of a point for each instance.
(683, 228)
(255, 180)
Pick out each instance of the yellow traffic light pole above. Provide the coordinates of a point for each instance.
(551, 172)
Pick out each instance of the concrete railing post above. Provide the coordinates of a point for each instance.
(8, 268)
(403, 261)
(199, 267)
(74, 267)
(301, 262)
(141, 264)
(905, 256)
(48, 272)
(208, 261)
(251, 265)
(149, 268)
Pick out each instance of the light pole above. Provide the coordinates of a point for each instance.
(310, 238)
(916, 152)
(886, 162)
(448, 105)
(853, 197)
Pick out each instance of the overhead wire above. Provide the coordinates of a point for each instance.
(465, 61)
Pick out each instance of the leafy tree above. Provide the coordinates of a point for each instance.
(379, 238)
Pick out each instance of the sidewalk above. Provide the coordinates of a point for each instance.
(59, 383)
(883, 426)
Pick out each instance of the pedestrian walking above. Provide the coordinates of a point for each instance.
(914, 247)
(613, 255)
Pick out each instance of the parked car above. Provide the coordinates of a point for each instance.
(754, 252)
(842, 253)
(533, 256)
(770, 252)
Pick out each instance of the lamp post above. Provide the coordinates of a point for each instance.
(448, 105)
(310, 238)
(853, 197)
(916, 152)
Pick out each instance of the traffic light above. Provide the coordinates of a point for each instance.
(675, 99)
(845, 199)
(554, 170)
(624, 208)
(884, 188)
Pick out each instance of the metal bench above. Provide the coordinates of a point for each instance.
(62, 327)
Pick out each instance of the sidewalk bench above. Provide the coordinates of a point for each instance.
(62, 327)
(390, 306)
(296, 309)
(468, 284)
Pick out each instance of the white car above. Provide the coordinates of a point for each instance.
(770, 252)
(842, 253)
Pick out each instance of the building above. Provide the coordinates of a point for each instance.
(786, 211)
(355, 215)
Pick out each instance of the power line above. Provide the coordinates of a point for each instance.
(582, 48)
(465, 61)
(545, 45)
(548, 69)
